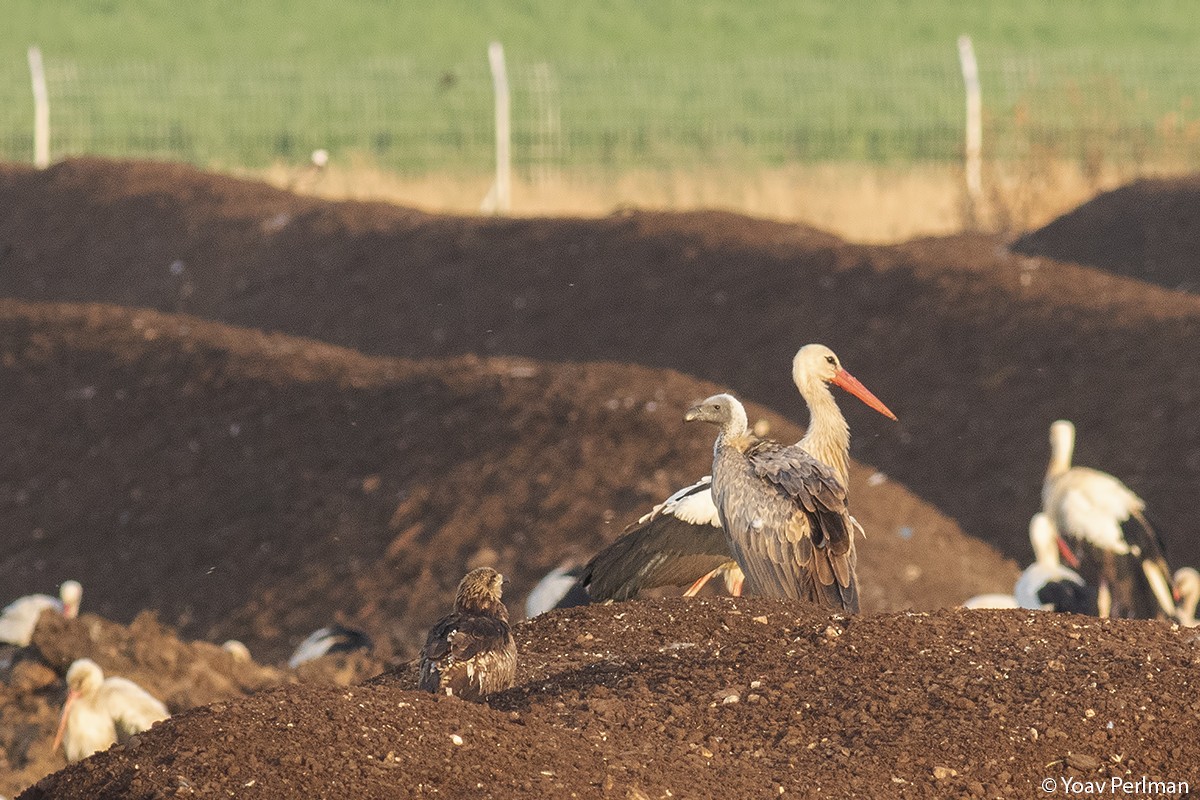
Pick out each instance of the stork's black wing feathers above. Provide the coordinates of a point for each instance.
(660, 549)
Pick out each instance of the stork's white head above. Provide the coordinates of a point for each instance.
(71, 593)
(1062, 442)
(1187, 592)
(815, 365)
(84, 677)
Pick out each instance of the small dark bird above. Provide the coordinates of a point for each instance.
(471, 653)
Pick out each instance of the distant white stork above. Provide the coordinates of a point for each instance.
(100, 708)
(20, 617)
(1103, 527)
(1045, 584)
(1187, 593)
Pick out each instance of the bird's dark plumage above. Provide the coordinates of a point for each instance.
(471, 653)
(676, 544)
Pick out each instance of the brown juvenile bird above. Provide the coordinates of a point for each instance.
(471, 653)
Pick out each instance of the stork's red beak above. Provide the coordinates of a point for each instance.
(854, 386)
(1178, 595)
(62, 722)
(1067, 554)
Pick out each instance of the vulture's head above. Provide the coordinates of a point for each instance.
(723, 410)
(480, 591)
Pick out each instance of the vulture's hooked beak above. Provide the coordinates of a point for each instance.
(692, 414)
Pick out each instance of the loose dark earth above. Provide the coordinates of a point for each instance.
(509, 393)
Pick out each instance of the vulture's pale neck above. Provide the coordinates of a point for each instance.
(1062, 448)
(735, 429)
(828, 436)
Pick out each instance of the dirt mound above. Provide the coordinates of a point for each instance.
(709, 698)
(1149, 230)
(255, 486)
(975, 348)
(181, 674)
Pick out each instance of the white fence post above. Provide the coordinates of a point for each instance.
(501, 196)
(974, 143)
(41, 109)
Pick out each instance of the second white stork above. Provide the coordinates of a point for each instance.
(1106, 534)
(784, 513)
(1187, 593)
(98, 709)
(20, 617)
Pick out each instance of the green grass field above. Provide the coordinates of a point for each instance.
(610, 84)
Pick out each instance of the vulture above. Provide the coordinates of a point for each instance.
(471, 653)
(1105, 534)
(783, 511)
(681, 540)
(19, 618)
(331, 639)
(100, 708)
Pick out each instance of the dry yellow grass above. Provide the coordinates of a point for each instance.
(864, 203)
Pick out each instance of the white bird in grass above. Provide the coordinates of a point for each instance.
(1105, 534)
(100, 708)
(20, 617)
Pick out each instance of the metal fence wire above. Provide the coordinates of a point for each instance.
(412, 118)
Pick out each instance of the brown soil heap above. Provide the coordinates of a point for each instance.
(512, 396)
(977, 350)
(709, 698)
(1149, 229)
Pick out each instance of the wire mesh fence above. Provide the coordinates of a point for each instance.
(413, 118)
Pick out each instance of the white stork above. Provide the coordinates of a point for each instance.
(681, 540)
(1187, 593)
(20, 617)
(1104, 532)
(100, 708)
(1046, 584)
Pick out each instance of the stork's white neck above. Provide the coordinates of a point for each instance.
(828, 436)
(1062, 448)
(1044, 539)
